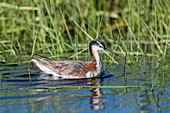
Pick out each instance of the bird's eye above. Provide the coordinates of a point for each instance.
(98, 45)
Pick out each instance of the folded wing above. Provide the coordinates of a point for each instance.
(65, 69)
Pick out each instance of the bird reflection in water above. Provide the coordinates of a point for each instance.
(96, 99)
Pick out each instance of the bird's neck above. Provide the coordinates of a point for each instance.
(96, 58)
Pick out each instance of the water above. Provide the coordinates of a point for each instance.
(17, 93)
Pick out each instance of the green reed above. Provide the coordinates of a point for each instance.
(131, 28)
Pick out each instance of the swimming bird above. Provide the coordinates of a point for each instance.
(75, 69)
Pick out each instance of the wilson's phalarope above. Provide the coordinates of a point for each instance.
(75, 69)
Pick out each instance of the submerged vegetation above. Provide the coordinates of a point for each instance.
(132, 28)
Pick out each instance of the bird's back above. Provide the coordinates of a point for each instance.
(66, 68)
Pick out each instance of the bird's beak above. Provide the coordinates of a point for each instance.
(110, 51)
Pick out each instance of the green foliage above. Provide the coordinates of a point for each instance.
(140, 27)
(130, 27)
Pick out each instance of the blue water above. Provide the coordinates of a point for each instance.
(18, 96)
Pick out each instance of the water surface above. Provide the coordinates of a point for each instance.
(17, 94)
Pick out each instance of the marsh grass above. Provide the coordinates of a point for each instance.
(131, 28)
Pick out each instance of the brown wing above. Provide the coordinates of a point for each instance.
(66, 69)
